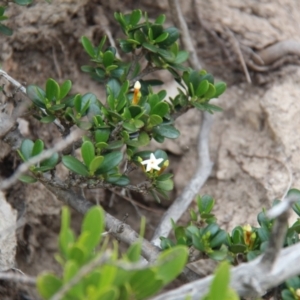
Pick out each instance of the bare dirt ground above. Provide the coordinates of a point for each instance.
(254, 141)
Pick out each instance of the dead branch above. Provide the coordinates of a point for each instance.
(182, 202)
(116, 228)
(205, 165)
(185, 36)
(18, 278)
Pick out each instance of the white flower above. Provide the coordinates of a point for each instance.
(152, 163)
(137, 85)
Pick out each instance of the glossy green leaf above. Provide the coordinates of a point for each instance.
(26, 148)
(160, 109)
(108, 58)
(65, 89)
(150, 47)
(50, 162)
(220, 88)
(181, 57)
(166, 185)
(87, 152)
(238, 248)
(27, 179)
(210, 92)
(114, 87)
(133, 254)
(160, 19)
(172, 37)
(88, 47)
(219, 239)
(154, 120)
(202, 88)
(52, 89)
(37, 95)
(144, 284)
(162, 37)
(171, 262)
(167, 131)
(48, 285)
(48, 119)
(205, 204)
(111, 160)
(75, 165)
(220, 283)
(130, 127)
(135, 17)
(95, 163)
(93, 223)
(38, 147)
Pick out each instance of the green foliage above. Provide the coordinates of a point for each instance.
(246, 242)
(30, 149)
(220, 288)
(110, 277)
(133, 114)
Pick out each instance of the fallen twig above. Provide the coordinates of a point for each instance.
(182, 202)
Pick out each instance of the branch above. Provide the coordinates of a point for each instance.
(205, 165)
(36, 159)
(185, 36)
(116, 228)
(18, 278)
(182, 202)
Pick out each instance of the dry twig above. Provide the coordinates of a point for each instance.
(182, 202)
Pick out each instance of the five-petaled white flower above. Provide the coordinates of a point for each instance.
(152, 163)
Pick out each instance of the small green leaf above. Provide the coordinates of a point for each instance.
(160, 19)
(37, 95)
(161, 38)
(154, 120)
(48, 119)
(166, 185)
(135, 17)
(181, 57)
(50, 162)
(95, 164)
(167, 131)
(38, 147)
(171, 262)
(65, 89)
(130, 127)
(26, 148)
(205, 204)
(220, 88)
(134, 252)
(108, 58)
(172, 37)
(111, 160)
(48, 285)
(160, 109)
(220, 283)
(210, 92)
(52, 89)
(93, 223)
(88, 47)
(27, 179)
(87, 152)
(150, 47)
(75, 165)
(202, 88)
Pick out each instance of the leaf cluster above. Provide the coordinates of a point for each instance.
(115, 278)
